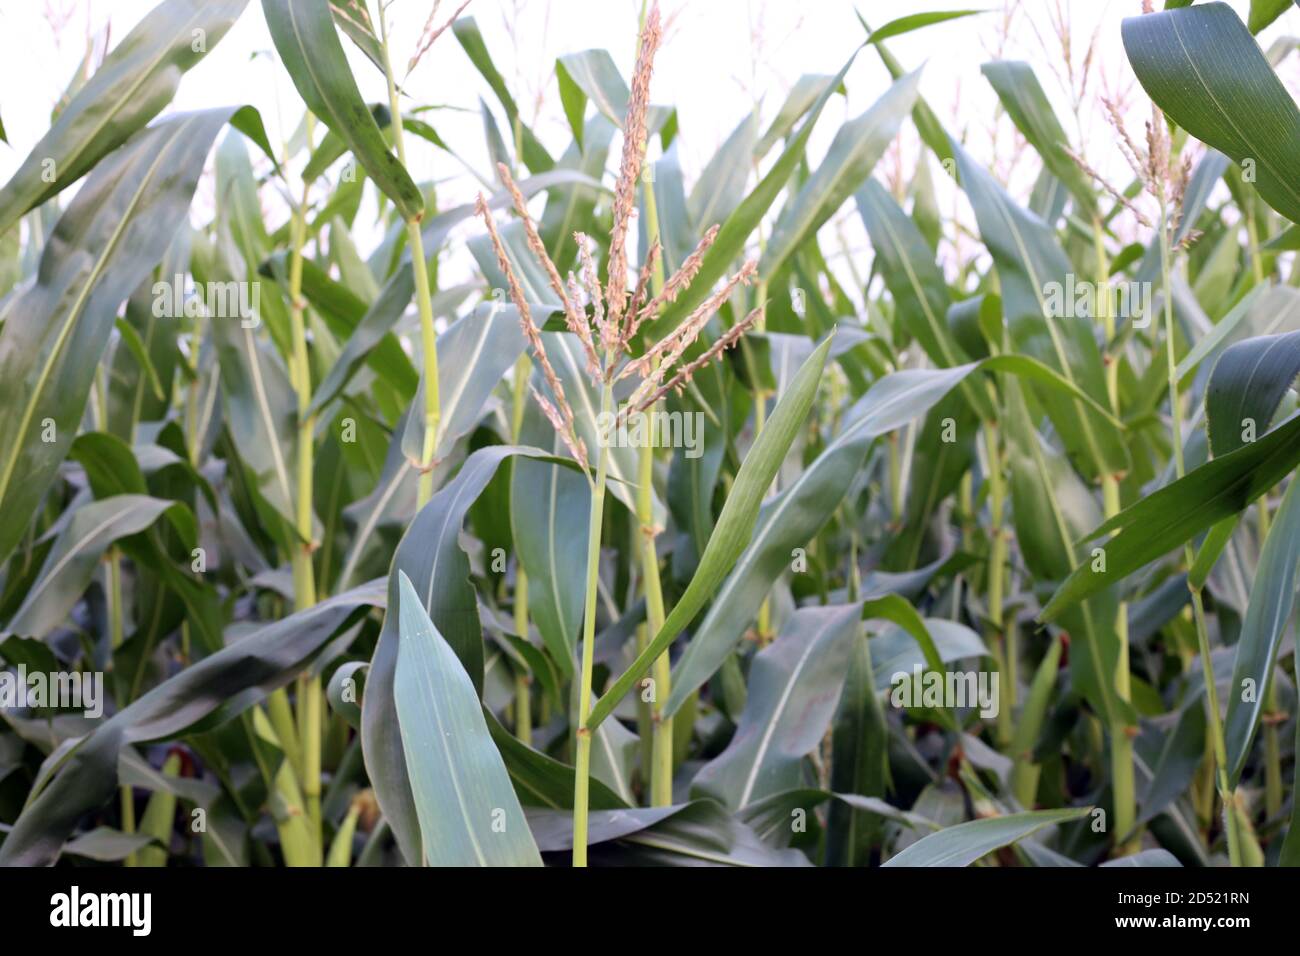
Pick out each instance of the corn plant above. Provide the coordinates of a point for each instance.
(685, 531)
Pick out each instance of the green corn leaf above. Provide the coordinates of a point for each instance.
(735, 524)
(1031, 265)
(72, 561)
(82, 773)
(542, 781)
(805, 93)
(1168, 518)
(1246, 388)
(103, 247)
(430, 556)
(1026, 103)
(133, 84)
(914, 279)
(721, 185)
(916, 21)
(468, 811)
(965, 843)
(849, 160)
(793, 517)
(353, 19)
(306, 39)
(1204, 69)
(549, 512)
(1264, 12)
(794, 684)
(1272, 601)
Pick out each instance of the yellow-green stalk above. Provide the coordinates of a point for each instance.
(340, 852)
(1123, 784)
(1025, 773)
(1272, 752)
(996, 579)
(116, 634)
(1231, 816)
(423, 297)
(298, 843)
(159, 813)
(310, 691)
(582, 765)
(760, 419)
(661, 749)
(523, 681)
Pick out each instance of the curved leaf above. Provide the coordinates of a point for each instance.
(111, 236)
(735, 524)
(75, 555)
(965, 843)
(133, 84)
(1165, 519)
(1204, 69)
(82, 774)
(1026, 103)
(430, 556)
(1272, 601)
(793, 517)
(805, 92)
(911, 274)
(794, 685)
(916, 21)
(542, 781)
(468, 811)
(1030, 263)
(549, 510)
(304, 36)
(852, 155)
(1247, 386)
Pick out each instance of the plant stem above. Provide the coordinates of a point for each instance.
(1272, 745)
(1227, 795)
(115, 641)
(661, 748)
(423, 298)
(895, 482)
(523, 681)
(1123, 783)
(764, 623)
(1272, 753)
(115, 631)
(1252, 232)
(997, 569)
(1025, 773)
(662, 725)
(760, 420)
(304, 578)
(582, 778)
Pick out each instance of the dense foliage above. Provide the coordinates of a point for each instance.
(310, 557)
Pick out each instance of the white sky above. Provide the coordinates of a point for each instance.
(719, 58)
